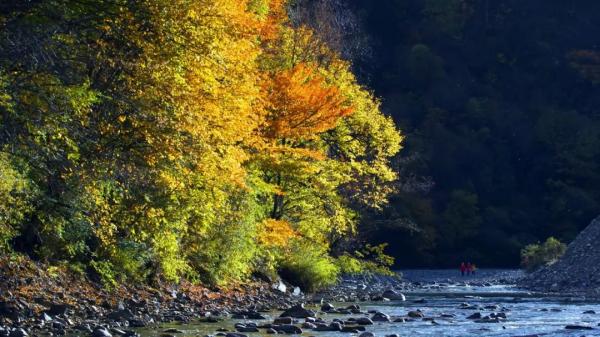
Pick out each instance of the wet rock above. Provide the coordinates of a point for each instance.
(415, 314)
(578, 327)
(364, 321)
(366, 334)
(233, 334)
(380, 317)
(420, 301)
(298, 311)
(476, 315)
(283, 320)
(244, 328)
(289, 329)
(333, 326)
(327, 307)
(309, 325)
(399, 320)
(393, 295)
(589, 312)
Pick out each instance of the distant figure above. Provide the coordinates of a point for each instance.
(469, 268)
(473, 269)
(463, 269)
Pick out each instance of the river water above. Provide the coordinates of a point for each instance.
(442, 292)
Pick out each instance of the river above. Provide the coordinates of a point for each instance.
(441, 296)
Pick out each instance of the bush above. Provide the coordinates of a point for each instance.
(308, 268)
(535, 256)
(16, 194)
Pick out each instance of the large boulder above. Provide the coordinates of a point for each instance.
(577, 271)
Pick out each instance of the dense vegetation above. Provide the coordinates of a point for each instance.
(204, 139)
(498, 100)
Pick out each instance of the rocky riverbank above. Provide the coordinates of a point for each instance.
(39, 300)
(577, 272)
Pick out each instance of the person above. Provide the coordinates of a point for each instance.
(473, 269)
(463, 269)
(469, 268)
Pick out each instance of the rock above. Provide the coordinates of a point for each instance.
(393, 295)
(280, 286)
(121, 315)
(9, 310)
(298, 311)
(476, 315)
(309, 325)
(137, 323)
(283, 320)
(58, 309)
(233, 334)
(366, 334)
(243, 328)
(364, 321)
(589, 312)
(296, 291)
(578, 327)
(289, 329)
(101, 332)
(327, 307)
(415, 314)
(19, 332)
(380, 317)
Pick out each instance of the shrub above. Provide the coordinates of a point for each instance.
(308, 268)
(535, 256)
(16, 194)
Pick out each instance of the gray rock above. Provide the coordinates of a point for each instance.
(415, 314)
(19, 332)
(327, 307)
(298, 311)
(101, 332)
(393, 295)
(289, 329)
(366, 334)
(364, 321)
(380, 317)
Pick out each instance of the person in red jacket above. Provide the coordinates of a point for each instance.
(463, 269)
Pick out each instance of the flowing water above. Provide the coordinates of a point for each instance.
(443, 292)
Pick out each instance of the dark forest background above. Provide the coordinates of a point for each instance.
(498, 100)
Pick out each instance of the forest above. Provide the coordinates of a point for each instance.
(204, 140)
(214, 140)
(498, 102)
